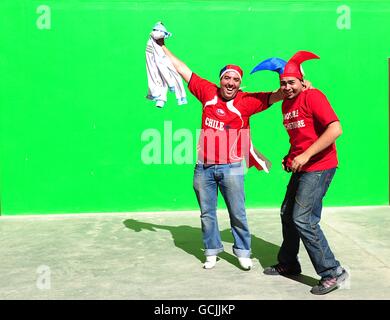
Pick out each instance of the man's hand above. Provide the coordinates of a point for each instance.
(276, 96)
(160, 42)
(307, 85)
(284, 167)
(299, 162)
(158, 37)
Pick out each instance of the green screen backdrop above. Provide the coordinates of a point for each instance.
(75, 120)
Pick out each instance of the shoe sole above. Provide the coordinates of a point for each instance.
(320, 293)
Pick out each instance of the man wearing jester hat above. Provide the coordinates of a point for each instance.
(313, 128)
(223, 144)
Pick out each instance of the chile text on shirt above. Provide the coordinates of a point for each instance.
(214, 124)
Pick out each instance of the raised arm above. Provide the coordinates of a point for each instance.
(179, 65)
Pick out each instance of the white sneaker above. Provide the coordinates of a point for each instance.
(210, 262)
(245, 263)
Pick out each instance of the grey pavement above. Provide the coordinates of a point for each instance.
(158, 255)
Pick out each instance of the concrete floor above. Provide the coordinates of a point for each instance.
(159, 256)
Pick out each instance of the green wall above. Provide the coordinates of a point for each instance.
(73, 106)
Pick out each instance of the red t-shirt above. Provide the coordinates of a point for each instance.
(305, 118)
(225, 136)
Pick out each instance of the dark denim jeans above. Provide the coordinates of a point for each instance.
(229, 179)
(300, 215)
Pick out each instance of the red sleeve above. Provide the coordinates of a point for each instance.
(256, 102)
(202, 89)
(320, 107)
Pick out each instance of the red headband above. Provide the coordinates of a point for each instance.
(231, 67)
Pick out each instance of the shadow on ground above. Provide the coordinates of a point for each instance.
(188, 239)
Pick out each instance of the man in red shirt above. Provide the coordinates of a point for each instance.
(223, 144)
(313, 128)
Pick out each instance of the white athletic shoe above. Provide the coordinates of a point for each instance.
(245, 263)
(210, 262)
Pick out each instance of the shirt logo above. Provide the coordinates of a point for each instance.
(214, 124)
(220, 112)
(290, 115)
(290, 125)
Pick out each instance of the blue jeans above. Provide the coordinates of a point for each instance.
(229, 179)
(300, 215)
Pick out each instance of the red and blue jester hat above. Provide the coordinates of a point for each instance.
(292, 68)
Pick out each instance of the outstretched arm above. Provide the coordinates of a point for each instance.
(179, 65)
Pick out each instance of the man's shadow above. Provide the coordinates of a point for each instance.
(184, 237)
(189, 240)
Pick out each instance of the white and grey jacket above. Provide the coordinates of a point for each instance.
(162, 75)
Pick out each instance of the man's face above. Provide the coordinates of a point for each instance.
(291, 87)
(230, 83)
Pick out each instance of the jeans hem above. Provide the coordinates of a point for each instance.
(241, 253)
(212, 252)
